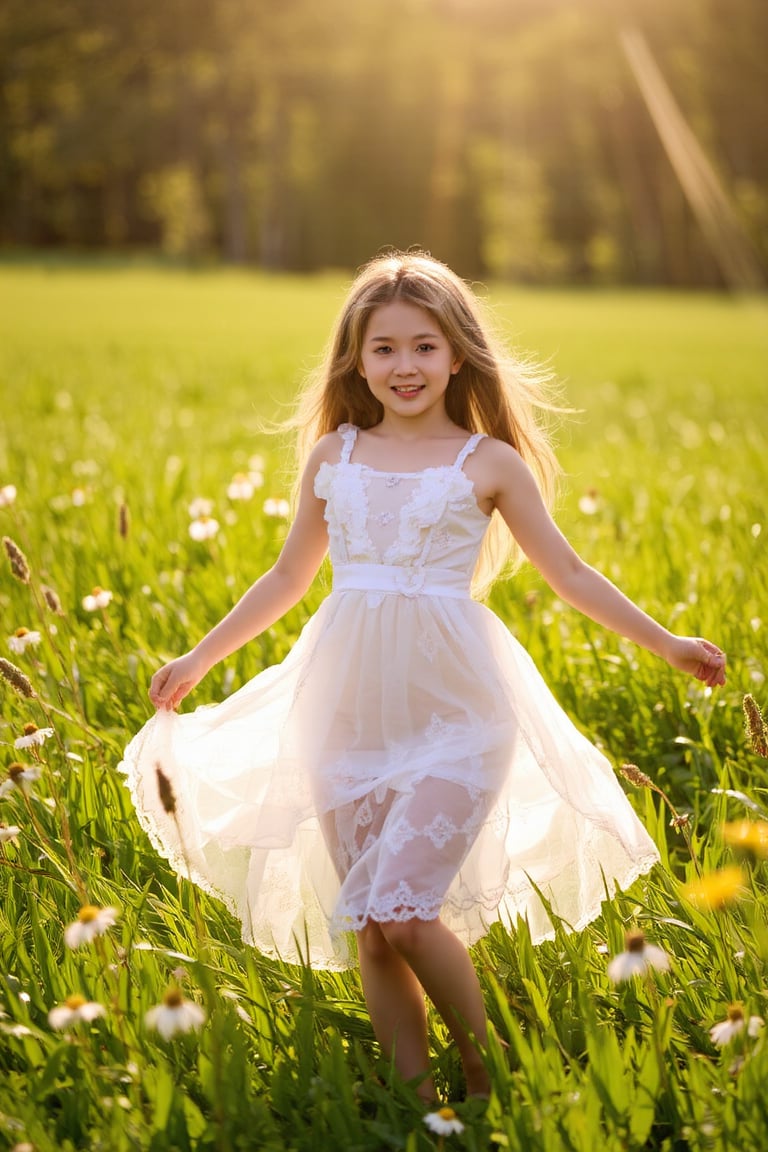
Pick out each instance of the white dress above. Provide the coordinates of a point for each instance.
(405, 760)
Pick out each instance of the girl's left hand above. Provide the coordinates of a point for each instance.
(700, 658)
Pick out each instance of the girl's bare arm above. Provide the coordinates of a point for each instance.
(515, 494)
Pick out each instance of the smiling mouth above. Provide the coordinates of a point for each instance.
(407, 389)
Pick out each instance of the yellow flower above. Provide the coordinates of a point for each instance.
(748, 835)
(716, 889)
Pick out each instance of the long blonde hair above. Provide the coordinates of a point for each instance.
(491, 393)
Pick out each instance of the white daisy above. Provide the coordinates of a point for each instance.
(19, 776)
(200, 507)
(204, 528)
(91, 922)
(276, 508)
(33, 736)
(241, 487)
(735, 1021)
(639, 958)
(175, 1014)
(444, 1121)
(73, 1010)
(8, 832)
(22, 638)
(589, 503)
(7, 495)
(98, 598)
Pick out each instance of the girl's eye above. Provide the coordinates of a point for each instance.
(382, 348)
(425, 348)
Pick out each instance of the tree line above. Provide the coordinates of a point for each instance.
(510, 137)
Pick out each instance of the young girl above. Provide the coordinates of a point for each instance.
(404, 773)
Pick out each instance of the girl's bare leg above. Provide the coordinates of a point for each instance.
(442, 965)
(396, 1006)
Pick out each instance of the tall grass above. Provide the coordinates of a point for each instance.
(126, 393)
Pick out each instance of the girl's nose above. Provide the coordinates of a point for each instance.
(404, 366)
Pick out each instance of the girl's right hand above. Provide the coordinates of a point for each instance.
(171, 683)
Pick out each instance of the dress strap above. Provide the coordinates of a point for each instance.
(468, 448)
(348, 433)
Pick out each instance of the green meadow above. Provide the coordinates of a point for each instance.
(129, 391)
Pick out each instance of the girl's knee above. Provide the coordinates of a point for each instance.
(372, 942)
(407, 936)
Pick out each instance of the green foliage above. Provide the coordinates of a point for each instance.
(511, 139)
(145, 389)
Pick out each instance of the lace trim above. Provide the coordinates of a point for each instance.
(437, 490)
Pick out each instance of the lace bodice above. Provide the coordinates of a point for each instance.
(410, 519)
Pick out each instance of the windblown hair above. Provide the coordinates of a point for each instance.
(491, 392)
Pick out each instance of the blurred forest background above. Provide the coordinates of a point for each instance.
(513, 138)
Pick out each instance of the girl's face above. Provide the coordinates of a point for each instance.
(406, 360)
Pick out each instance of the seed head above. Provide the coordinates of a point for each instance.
(165, 790)
(52, 600)
(755, 726)
(17, 559)
(123, 521)
(634, 940)
(15, 678)
(632, 773)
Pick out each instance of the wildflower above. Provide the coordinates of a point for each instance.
(20, 776)
(256, 463)
(203, 528)
(8, 832)
(680, 821)
(748, 835)
(589, 502)
(716, 889)
(79, 497)
(725, 1030)
(200, 507)
(15, 678)
(21, 640)
(175, 1014)
(17, 560)
(98, 598)
(7, 495)
(33, 736)
(277, 508)
(444, 1121)
(755, 726)
(73, 1010)
(241, 487)
(639, 958)
(91, 922)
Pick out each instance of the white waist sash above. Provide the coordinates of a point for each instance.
(401, 581)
